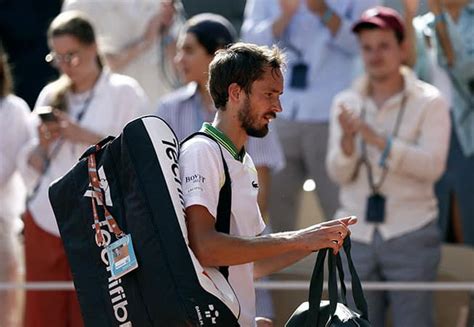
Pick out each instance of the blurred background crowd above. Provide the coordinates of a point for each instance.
(368, 118)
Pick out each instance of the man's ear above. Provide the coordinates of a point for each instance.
(405, 51)
(235, 92)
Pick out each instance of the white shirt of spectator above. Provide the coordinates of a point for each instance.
(116, 100)
(416, 160)
(15, 131)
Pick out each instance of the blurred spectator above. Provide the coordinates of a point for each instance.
(320, 50)
(23, 25)
(89, 103)
(137, 38)
(444, 56)
(187, 108)
(389, 137)
(14, 133)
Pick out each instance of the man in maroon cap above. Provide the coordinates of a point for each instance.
(388, 141)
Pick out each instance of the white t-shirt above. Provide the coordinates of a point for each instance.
(113, 102)
(15, 132)
(202, 176)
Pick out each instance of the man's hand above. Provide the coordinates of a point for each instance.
(329, 234)
(288, 10)
(289, 7)
(317, 6)
(349, 121)
(371, 137)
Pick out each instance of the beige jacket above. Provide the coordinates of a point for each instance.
(416, 160)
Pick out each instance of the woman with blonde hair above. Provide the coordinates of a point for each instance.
(85, 104)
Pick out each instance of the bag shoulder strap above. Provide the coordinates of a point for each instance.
(225, 199)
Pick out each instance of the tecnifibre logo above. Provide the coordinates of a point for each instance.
(117, 294)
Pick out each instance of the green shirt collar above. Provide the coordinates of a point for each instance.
(224, 141)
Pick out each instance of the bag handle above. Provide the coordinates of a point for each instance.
(317, 281)
(96, 148)
(357, 292)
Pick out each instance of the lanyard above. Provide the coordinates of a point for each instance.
(98, 198)
(365, 160)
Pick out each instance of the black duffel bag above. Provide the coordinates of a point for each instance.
(335, 312)
(139, 186)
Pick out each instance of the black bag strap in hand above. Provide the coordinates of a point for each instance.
(357, 292)
(317, 281)
(225, 199)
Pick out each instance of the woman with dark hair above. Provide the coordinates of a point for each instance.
(187, 108)
(85, 104)
(14, 133)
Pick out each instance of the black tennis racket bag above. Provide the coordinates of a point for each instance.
(131, 185)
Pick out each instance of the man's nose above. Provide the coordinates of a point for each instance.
(277, 106)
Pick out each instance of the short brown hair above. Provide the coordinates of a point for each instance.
(241, 63)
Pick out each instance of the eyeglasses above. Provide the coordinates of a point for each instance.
(70, 58)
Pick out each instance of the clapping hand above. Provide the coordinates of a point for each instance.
(289, 7)
(349, 120)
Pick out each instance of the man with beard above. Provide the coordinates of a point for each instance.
(245, 82)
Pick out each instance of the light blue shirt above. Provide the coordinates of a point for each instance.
(330, 58)
(461, 34)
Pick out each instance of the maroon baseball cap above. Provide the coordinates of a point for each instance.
(381, 17)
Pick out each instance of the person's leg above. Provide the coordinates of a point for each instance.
(463, 180)
(46, 261)
(412, 257)
(286, 185)
(365, 261)
(314, 151)
(443, 189)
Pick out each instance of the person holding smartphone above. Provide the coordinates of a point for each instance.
(85, 104)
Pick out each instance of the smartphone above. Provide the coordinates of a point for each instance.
(46, 113)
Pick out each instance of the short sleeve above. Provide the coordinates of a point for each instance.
(202, 173)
